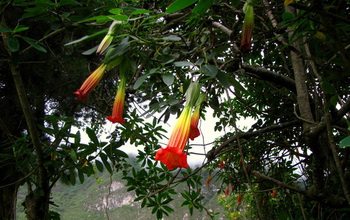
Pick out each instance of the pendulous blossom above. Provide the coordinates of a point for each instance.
(274, 193)
(173, 155)
(107, 40)
(194, 131)
(91, 82)
(239, 198)
(208, 180)
(118, 107)
(248, 26)
(227, 191)
(221, 165)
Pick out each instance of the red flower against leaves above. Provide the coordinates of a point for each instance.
(173, 156)
(194, 131)
(118, 107)
(91, 82)
(248, 26)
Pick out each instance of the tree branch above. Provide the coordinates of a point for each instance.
(211, 154)
(271, 76)
(222, 28)
(277, 182)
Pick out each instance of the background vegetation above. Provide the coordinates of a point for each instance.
(293, 81)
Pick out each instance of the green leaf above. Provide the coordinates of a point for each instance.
(210, 70)
(142, 78)
(68, 2)
(73, 155)
(168, 79)
(223, 79)
(105, 162)
(121, 49)
(2, 29)
(120, 153)
(90, 51)
(99, 165)
(81, 176)
(115, 11)
(172, 38)
(328, 88)
(139, 81)
(34, 44)
(183, 63)
(13, 44)
(19, 29)
(168, 209)
(72, 176)
(86, 37)
(105, 18)
(287, 17)
(345, 142)
(77, 138)
(237, 85)
(92, 136)
(178, 5)
(202, 6)
(140, 11)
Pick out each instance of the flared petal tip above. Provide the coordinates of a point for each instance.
(115, 119)
(172, 157)
(80, 95)
(194, 132)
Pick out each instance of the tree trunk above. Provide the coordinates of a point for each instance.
(8, 192)
(36, 204)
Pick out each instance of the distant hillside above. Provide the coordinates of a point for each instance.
(88, 201)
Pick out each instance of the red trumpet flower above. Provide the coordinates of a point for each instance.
(91, 82)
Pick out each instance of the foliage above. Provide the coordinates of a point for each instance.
(294, 82)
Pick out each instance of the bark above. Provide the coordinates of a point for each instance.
(8, 193)
(300, 79)
(40, 199)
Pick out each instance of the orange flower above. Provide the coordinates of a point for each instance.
(118, 107)
(91, 82)
(208, 180)
(227, 191)
(274, 193)
(221, 165)
(248, 26)
(173, 156)
(239, 199)
(194, 131)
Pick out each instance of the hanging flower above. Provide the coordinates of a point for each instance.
(173, 155)
(240, 163)
(221, 165)
(91, 82)
(118, 107)
(248, 26)
(194, 131)
(227, 191)
(274, 193)
(239, 198)
(107, 40)
(208, 180)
